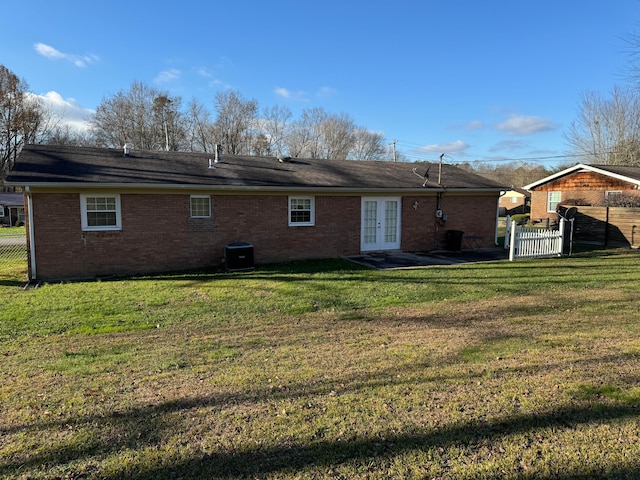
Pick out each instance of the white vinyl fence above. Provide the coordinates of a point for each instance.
(527, 242)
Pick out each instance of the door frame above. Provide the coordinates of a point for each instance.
(380, 244)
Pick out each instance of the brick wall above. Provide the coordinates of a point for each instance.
(159, 235)
(475, 215)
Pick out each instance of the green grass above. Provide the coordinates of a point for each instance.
(12, 230)
(327, 370)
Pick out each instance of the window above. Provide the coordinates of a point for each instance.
(553, 199)
(301, 211)
(100, 212)
(610, 194)
(200, 206)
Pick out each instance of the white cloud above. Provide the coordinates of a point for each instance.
(67, 110)
(168, 75)
(446, 147)
(470, 126)
(508, 145)
(51, 53)
(204, 72)
(326, 92)
(525, 125)
(474, 125)
(290, 95)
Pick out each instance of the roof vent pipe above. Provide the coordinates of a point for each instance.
(211, 163)
(126, 149)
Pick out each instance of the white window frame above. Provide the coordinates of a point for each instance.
(612, 193)
(84, 212)
(192, 197)
(550, 201)
(311, 210)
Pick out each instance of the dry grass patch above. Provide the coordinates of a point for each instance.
(490, 386)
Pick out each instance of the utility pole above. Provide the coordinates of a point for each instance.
(395, 158)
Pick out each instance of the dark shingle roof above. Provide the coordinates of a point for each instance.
(626, 171)
(12, 199)
(63, 165)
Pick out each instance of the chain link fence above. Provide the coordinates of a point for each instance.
(13, 253)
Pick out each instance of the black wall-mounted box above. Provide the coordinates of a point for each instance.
(238, 257)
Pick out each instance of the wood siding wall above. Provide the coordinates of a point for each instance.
(587, 186)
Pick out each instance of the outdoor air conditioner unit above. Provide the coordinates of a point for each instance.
(238, 257)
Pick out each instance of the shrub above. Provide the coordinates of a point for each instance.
(623, 199)
(576, 202)
(521, 219)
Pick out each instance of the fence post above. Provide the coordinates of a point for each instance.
(507, 232)
(512, 241)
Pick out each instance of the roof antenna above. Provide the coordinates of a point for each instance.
(425, 177)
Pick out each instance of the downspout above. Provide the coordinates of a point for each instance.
(496, 236)
(32, 243)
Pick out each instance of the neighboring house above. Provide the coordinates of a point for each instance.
(580, 185)
(11, 209)
(514, 201)
(94, 212)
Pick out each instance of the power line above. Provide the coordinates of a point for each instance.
(483, 159)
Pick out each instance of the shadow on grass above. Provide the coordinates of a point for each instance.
(146, 425)
(150, 427)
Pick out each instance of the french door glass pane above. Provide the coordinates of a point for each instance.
(391, 221)
(370, 221)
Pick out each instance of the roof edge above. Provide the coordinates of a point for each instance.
(575, 168)
(224, 188)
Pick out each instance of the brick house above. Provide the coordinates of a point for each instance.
(514, 201)
(95, 212)
(580, 185)
(11, 209)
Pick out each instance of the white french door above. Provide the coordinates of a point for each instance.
(380, 223)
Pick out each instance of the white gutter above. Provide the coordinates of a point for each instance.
(32, 243)
(76, 186)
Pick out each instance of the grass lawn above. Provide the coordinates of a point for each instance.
(528, 369)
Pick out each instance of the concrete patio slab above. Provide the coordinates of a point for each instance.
(396, 260)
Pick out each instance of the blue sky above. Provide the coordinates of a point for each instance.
(491, 80)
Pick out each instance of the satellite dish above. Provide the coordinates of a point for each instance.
(569, 213)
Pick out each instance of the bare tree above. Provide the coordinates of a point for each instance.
(142, 116)
(275, 124)
(234, 122)
(516, 174)
(62, 134)
(337, 136)
(21, 118)
(367, 145)
(607, 130)
(199, 128)
(304, 138)
(261, 145)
